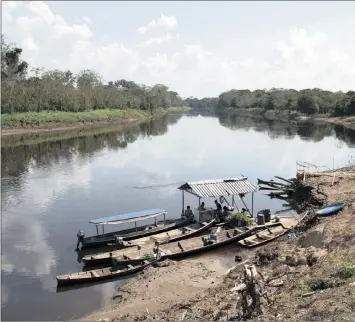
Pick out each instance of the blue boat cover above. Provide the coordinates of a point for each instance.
(130, 217)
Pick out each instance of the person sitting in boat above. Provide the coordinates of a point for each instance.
(244, 211)
(224, 214)
(202, 207)
(80, 236)
(188, 212)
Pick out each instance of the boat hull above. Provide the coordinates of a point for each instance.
(330, 209)
(96, 261)
(103, 240)
(105, 274)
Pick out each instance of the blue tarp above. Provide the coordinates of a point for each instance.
(130, 217)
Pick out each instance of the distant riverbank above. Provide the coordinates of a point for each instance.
(21, 123)
(285, 116)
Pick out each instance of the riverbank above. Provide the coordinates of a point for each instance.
(305, 277)
(285, 116)
(22, 123)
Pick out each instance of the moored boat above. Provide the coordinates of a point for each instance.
(106, 238)
(100, 274)
(331, 209)
(196, 245)
(143, 244)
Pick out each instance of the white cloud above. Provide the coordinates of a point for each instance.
(29, 44)
(160, 40)
(300, 59)
(164, 22)
(87, 19)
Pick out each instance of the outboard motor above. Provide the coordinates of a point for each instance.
(80, 234)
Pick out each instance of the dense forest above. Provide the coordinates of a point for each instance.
(26, 89)
(35, 90)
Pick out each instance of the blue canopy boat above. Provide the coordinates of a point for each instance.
(330, 209)
(132, 233)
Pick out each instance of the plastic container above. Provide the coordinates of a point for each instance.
(260, 219)
(266, 213)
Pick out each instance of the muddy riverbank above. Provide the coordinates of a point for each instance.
(309, 274)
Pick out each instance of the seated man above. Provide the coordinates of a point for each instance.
(223, 216)
(188, 213)
(202, 207)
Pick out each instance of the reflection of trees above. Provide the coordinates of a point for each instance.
(309, 131)
(16, 160)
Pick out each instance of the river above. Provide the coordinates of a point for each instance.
(52, 186)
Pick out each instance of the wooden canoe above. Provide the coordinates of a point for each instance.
(193, 246)
(129, 234)
(100, 274)
(143, 244)
(269, 234)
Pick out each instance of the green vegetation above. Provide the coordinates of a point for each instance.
(51, 118)
(84, 97)
(346, 269)
(237, 217)
(37, 90)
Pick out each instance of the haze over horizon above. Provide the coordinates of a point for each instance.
(198, 49)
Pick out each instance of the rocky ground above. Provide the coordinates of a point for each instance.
(311, 277)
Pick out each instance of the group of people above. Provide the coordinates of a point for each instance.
(221, 214)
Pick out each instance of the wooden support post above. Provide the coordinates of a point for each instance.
(183, 203)
(199, 205)
(245, 205)
(252, 204)
(103, 230)
(164, 218)
(135, 225)
(97, 230)
(155, 221)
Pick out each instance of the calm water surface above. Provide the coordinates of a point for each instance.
(51, 189)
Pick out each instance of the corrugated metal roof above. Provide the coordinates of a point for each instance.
(130, 217)
(217, 188)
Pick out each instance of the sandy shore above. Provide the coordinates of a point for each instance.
(199, 288)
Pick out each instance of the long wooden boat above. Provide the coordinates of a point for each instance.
(129, 234)
(162, 238)
(192, 246)
(100, 274)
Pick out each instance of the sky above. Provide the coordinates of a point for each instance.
(197, 48)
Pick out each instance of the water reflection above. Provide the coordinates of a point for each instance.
(53, 184)
(305, 130)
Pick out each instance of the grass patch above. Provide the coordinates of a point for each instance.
(179, 109)
(346, 270)
(52, 119)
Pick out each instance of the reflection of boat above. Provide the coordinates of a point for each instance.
(185, 233)
(330, 209)
(100, 274)
(133, 233)
(198, 245)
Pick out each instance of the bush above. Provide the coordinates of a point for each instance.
(346, 270)
(238, 216)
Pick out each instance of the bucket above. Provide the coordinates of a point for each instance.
(266, 213)
(260, 219)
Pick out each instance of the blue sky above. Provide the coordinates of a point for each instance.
(196, 48)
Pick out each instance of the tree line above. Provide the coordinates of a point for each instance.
(56, 90)
(26, 89)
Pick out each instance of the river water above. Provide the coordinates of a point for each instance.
(53, 188)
